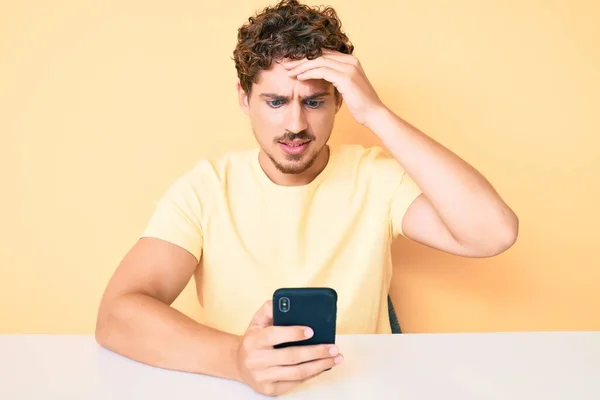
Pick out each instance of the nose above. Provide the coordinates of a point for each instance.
(296, 118)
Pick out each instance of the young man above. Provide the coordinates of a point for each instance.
(295, 212)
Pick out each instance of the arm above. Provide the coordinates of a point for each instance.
(136, 320)
(459, 211)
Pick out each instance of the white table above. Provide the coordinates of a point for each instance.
(560, 365)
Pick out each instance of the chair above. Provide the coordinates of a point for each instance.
(393, 318)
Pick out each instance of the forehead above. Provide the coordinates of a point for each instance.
(276, 80)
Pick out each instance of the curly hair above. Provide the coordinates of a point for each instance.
(286, 30)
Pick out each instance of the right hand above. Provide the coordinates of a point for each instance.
(270, 371)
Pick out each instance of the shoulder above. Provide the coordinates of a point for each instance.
(208, 173)
(372, 167)
(373, 159)
(217, 168)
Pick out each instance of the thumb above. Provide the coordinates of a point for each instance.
(263, 317)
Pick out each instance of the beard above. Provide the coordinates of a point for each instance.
(295, 164)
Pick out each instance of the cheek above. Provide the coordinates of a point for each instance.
(321, 124)
(266, 120)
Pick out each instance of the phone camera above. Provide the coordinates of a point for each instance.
(284, 304)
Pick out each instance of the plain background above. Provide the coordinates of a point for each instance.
(103, 104)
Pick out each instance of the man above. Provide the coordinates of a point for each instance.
(295, 212)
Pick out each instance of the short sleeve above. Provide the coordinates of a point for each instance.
(400, 187)
(178, 214)
(404, 195)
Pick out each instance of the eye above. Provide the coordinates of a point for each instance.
(314, 103)
(275, 103)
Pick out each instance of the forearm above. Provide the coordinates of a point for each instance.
(146, 330)
(465, 201)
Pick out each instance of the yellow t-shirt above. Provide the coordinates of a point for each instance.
(252, 236)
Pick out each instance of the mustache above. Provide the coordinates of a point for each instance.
(290, 136)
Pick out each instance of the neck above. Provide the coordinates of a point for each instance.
(303, 178)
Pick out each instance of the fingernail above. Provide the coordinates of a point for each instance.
(338, 359)
(308, 332)
(333, 351)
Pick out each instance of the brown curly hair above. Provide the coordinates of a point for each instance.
(286, 30)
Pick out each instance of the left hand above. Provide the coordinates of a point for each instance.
(346, 74)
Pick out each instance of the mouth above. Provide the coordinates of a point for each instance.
(295, 146)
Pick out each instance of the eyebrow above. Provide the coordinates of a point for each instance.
(276, 96)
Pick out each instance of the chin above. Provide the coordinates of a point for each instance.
(293, 168)
(294, 165)
(289, 163)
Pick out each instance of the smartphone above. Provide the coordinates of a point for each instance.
(307, 306)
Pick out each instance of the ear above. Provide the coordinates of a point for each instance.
(243, 99)
(338, 102)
